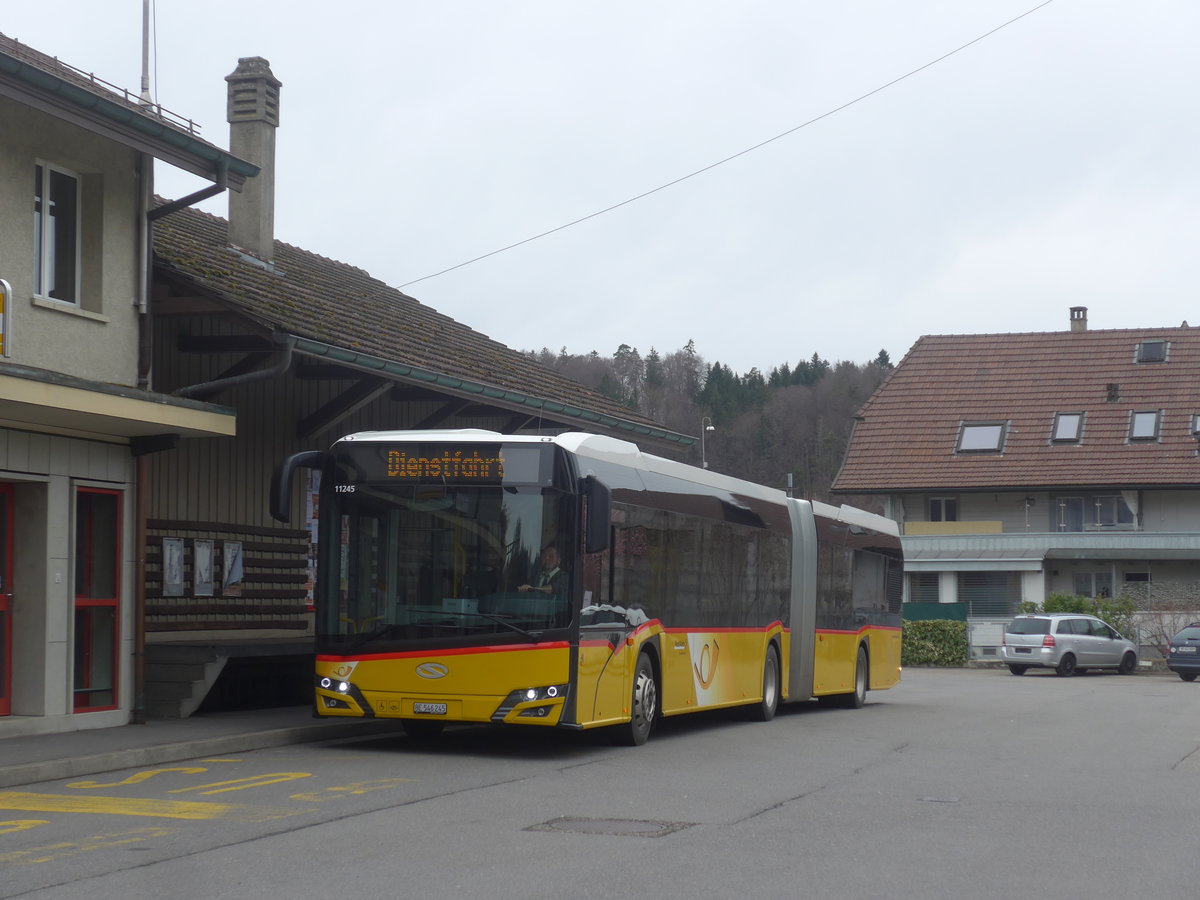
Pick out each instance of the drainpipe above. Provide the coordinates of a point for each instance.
(212, 190)
(283, 362)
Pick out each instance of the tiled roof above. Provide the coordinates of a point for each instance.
(907, 431)
(342, 306)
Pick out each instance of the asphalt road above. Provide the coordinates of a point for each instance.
(955, 784)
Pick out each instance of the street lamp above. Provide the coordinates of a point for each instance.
(705, 425)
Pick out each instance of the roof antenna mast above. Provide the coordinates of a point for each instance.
(145, 97)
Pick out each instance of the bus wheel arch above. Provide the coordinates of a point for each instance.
(857, 697)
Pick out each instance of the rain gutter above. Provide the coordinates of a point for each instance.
(175, 142)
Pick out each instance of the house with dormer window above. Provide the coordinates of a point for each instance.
(1025, 465)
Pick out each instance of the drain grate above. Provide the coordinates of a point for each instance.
(621, 827)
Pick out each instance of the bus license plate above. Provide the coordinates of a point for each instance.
(430, 709)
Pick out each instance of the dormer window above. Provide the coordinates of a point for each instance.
(981, 437)
(1068, 428)
(1144, 424)
(1152, 352)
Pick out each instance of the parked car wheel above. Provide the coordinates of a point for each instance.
(1066, 666)
(1188, 676)
(1017, 670)
(1128, 664)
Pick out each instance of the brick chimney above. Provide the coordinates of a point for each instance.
(253, 114)
(1079, 318)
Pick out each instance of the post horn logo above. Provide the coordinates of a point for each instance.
(432, 670)
(706, 668)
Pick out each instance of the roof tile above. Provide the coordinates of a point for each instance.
(906, 432)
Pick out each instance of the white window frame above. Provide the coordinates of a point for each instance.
(943, 504)
(45, 249)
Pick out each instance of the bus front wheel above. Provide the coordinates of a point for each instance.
(643, 704)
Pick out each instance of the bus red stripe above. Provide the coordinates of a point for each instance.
(454, 651)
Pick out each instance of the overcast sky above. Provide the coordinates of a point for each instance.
(1049, 165)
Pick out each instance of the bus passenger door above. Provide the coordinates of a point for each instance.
(603, 674)
(602, 683)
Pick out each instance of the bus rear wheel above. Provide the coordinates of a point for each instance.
(858, 699)
(643, 704)
(765, 709)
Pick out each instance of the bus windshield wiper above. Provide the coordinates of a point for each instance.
(391, 628)
(502, 620)
(375, 634)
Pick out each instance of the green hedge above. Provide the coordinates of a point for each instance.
(936, 642)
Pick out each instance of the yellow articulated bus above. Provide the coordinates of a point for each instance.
(576, 582)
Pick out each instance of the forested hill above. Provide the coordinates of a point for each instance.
(794, 419)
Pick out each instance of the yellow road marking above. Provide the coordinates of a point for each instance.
(359, 787)
(241, 784)
(52, 852)
(13, 825)
(133, 806)
(137, 778)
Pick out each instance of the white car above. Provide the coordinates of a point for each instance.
(1068, 643)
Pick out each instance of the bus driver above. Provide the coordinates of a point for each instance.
(551, 579)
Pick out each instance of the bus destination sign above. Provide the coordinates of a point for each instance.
(457, 463)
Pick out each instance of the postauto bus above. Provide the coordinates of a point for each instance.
(576, 582)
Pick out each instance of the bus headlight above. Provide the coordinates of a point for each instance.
(328, 684)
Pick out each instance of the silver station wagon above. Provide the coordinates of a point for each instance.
(1066, 642)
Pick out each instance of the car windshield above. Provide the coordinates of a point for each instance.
(1191, 633)
(1029, 625)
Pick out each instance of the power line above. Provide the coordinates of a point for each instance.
(740, 153)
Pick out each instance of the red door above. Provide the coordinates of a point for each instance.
(6, 507)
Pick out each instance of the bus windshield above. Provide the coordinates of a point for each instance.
(408, 566)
